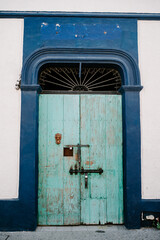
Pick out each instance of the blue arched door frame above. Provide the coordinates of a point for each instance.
(25, 208)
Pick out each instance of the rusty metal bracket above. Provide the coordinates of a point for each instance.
(79, 146)
(85, 171)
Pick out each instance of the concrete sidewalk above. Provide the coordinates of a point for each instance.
(107, 232)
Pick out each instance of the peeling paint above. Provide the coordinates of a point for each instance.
(89, 162)
(44, 24)
(58, 25)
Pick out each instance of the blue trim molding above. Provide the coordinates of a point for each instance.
(42, 56)
(150, 205)
(33, 87)
(23, 14)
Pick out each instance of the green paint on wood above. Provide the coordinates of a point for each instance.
(59, 194)
(87, 119)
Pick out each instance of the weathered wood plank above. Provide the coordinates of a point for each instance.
(92, 133)
(71, 182)
(114, 180)
(53, 168)
(43, 126)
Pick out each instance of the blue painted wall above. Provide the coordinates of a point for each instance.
(98, 33)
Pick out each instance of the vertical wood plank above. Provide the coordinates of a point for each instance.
(93, 133)
(114, 180)
(51, 160)
(43, 127)
(71, 182)
(55, 161)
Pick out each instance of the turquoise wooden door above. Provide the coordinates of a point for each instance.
(91, 198)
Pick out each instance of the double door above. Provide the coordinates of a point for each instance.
(80, 178)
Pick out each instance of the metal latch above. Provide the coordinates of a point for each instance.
(79, 146)
(83, 171)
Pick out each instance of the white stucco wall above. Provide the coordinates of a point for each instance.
(11, 42)
(11, 46)
(143, 6)
(149, 62)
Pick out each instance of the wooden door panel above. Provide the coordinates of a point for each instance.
(86, 119)
(101, 128)
(59, 192)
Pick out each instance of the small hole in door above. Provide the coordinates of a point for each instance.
(68, 152)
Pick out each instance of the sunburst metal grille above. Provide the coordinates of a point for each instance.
(79, 77)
